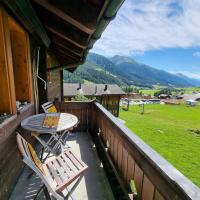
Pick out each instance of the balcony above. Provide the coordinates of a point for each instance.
(124, 157)
(92, 186)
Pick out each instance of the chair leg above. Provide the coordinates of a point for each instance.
(46, 192)
(42, 153)
(38, 192)
(73, 187)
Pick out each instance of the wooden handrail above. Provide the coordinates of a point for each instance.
(155, 178)
(164, 178)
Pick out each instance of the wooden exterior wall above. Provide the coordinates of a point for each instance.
(111, 103)
(15, 84)
(7, 94)
(54, 83)
(20, 49)
(10, 159)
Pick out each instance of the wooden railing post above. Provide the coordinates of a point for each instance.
(154, 177)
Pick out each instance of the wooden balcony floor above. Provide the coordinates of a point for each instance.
(94, 185)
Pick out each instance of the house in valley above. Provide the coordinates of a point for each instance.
(191, 102)
(107, 94)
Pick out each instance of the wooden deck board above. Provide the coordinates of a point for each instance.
(94, 184)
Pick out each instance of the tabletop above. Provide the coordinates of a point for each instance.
(34, 123)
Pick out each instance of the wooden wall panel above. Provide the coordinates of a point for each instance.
(112, 138)
(21, 62)
(10, 165)
(147, 189)
(138, 177)
(53, 85)
(158, 196)
(77, 108)
(7, 94)
(130, 169)
(105, 129)
(111, 103)
(116, 141)
(124, 163)
(109, 142)
(10, 159)
(119, 162)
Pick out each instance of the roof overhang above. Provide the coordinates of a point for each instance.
(74, 26)
(69, 28)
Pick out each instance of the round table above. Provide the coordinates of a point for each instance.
(34, 123)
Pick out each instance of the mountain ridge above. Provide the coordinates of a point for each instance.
(123, 71)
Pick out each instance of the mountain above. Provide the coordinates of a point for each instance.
(151, 75)
(123, 70)
(192, 81)
(91, 72)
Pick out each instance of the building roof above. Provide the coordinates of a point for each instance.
(191, 96)
(72, 89)
(191, 101)
(68, 27)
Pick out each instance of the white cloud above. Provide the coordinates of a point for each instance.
(190, 74)
(150, 25)
(197, 53)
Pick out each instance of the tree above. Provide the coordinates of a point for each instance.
(167, 91)
(80, 97)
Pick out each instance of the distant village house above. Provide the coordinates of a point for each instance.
(191, 102)
(108, 95)
(185, 97)
(164, 96)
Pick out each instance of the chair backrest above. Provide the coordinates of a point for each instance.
(29, 153)
(49, 107)
(31, 159)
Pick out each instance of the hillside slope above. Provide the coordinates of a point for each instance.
(130, 68)
(90, 72)
(123, 70)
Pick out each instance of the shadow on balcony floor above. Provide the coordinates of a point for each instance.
(94, 185)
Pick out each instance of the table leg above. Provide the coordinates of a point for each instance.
(42, 153)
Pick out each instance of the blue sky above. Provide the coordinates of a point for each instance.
(162, 33)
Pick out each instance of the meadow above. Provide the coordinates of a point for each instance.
(149, 91)
(188, 90)
(167, 129)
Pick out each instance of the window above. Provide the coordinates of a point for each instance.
(7, 94)
(15, 66)
(21, 62)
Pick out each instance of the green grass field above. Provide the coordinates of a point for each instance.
(149, 92)
(165, 129)
(188, 90)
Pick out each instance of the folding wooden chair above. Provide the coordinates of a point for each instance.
(58, 173)
(49, 107)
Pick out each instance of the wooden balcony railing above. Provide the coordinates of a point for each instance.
(155, 178)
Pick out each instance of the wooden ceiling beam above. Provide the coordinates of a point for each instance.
(67, 64)
(65, 37)
(65, 53)
(105, 4)
(67, 44)
(67, 49)
(64, 58)
(62, 15)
